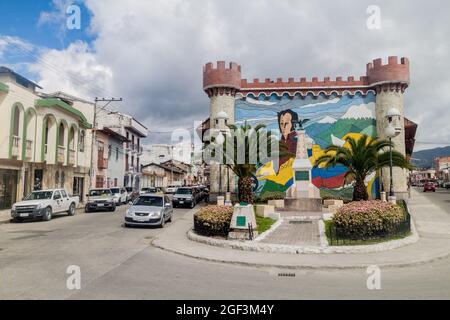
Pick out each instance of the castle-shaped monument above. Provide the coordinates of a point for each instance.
(385, 82)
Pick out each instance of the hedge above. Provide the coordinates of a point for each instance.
(213, 221)
(362, 219)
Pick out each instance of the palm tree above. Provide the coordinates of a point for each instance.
(362, 157)
(251, 141)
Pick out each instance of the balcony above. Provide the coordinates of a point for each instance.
(61, 153)
(15, 146)
(29, 149)
(71, 157)
(102, 163)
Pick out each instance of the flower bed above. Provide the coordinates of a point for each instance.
(368, 220)
(213, 221)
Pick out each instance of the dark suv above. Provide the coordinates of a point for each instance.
(185, 196)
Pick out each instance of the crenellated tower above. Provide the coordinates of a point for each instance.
(221, 83)
(390, 82)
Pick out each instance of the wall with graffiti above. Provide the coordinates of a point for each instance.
(331, 120)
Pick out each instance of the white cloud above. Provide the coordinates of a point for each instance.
(156, 50)
(75, 70)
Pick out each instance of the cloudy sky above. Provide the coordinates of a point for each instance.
(151, 52)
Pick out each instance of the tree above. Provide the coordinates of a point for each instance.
(243, 150)
(362, 157)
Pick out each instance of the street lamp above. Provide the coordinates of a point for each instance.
(222, 115)
(392, 130)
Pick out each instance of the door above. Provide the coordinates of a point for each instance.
(38, 176)
(57, 201)
(65, 203)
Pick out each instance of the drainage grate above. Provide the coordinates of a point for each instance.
(286, 274)
(300, 222)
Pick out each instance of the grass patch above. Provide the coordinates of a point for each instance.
(264, 224)
(329, 226)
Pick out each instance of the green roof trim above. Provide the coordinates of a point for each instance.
(4, 88)
(54, 102)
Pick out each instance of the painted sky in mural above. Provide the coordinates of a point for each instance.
(330, 121)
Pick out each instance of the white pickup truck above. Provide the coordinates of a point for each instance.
(44, 204)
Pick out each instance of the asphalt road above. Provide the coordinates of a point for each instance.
(119, 263)
(441, 197)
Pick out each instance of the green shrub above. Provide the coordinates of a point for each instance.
(270, 195)
(361, 219)
(213, 220)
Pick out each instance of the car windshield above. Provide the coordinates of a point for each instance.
(100, 192)
(149, 201)
(129, 189)
(184, 191)
(149, 189)
(39, 195)
(115, 190)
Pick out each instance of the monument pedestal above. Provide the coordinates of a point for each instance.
(303, 195)
(243, 218)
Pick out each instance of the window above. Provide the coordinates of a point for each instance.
(109, 151)
(64, 194)
(56, 194)
(16, 121)
(81, 141)
(117, 153)
(61, 135)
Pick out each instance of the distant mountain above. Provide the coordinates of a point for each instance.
(341, 127)
(362, 111)
(327, 119)
(425, 158)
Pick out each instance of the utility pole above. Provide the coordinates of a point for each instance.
(94, 130)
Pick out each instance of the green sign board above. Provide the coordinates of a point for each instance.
(241, 221)
(301, 175)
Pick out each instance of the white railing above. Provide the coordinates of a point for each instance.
(28, 149)
(15, 146)
(61, 152)
(71, 157)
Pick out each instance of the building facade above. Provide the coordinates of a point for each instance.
(442, 168)
(43, 142)
(335, 109)
(134, 132)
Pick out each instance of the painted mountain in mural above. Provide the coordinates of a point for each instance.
(341, 128)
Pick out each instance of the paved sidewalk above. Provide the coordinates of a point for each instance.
(295, 232)
(432, 223)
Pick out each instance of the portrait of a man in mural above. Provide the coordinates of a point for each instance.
(286, 120)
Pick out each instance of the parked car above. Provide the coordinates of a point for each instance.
(120, 195)
(446, 185)
(185, 196)
(429, 186)
(149, 210)
(171, 189)
(100, 199)
(44, 204)
(151, 190)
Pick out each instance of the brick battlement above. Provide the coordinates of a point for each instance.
(392, 72)
(221, 77)
(291, 83)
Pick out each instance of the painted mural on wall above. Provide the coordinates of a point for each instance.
(331, 120)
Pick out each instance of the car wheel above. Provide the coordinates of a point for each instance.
(126, 225)
(113, 209)
(192, 205)
(71, 211)
(170, 219)
(86, 209)
(47, 215)
(17, 220)
(163, 222)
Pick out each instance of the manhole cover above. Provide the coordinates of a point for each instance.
(300, 222)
